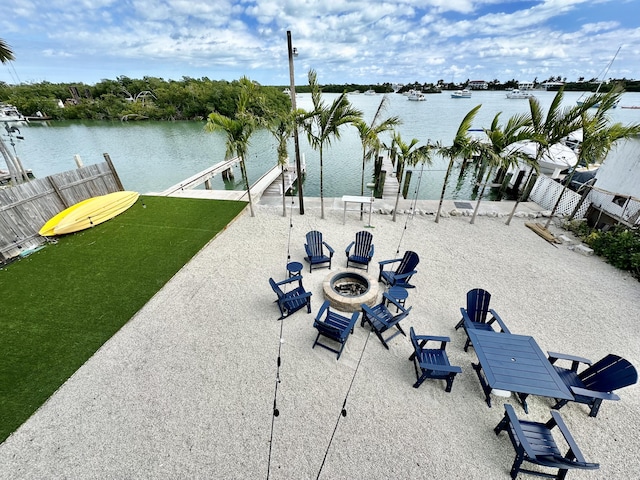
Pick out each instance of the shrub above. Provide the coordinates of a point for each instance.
(620, 246)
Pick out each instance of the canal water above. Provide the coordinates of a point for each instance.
(151, 156)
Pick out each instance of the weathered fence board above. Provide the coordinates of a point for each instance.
(26, 207)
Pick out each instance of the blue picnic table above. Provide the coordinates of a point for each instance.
(515, 363)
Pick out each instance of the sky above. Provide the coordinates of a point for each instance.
(345, 41)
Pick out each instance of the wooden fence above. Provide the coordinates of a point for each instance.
(25, 208)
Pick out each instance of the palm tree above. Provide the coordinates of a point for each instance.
(550, 129)
(463, 147)
(281, 126)
(238, 129)
(6, 54)
(410, 154)
(370, 137)
(497, 153)
(598, 137)
(324, 122)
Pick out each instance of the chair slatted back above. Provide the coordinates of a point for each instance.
(409, 262)
(314, 242)
(609, 374)
(478, 305)
(276, 288)
(363, 244)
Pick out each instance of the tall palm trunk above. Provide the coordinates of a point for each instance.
(243, 169)
(444, 189)
(484, 186)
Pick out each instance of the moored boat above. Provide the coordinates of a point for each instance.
(461, 94)
(517, 94)
(416, 96)
(553, 161)
(10, 114)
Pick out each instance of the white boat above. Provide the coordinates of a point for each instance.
(416, 96)
(516, 93)
(370, 92)
(9, 113)
(554, 160)
(461, 94)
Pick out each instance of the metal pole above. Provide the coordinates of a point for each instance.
(292, 88)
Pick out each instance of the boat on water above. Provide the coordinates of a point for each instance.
(517, 94)
(10, 114)
(461, 94)
(370, 92)
(554, 160)
(416, 96)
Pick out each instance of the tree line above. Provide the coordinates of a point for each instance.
(126, 98)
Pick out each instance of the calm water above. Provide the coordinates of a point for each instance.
(152, 156)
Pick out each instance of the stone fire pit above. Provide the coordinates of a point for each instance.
(346, 290)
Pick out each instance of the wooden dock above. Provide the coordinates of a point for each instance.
(390, 189)
(269, 184)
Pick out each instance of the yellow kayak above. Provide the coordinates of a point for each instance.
(95, 211)
(47, 228)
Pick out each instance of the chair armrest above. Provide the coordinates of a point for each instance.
(354, 319)
(517, 429)
(371, 251)
(497, 318)
(297, 278)
(346, 250)
(440, 368)
(405, 275)
(573, 446)
(574, 359)
(395, 303)
(328, 248)
(323, 308)
(594, 394)
(387, 262)
(433, 337)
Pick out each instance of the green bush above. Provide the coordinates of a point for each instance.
(620, 246)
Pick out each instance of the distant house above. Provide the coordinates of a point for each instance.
(526, 85)
(477, 85)
(552, 85)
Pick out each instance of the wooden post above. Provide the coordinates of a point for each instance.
(407, 181)
(58, 192)
(113, 171)
(581, 201)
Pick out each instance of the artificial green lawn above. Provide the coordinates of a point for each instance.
(62, 303)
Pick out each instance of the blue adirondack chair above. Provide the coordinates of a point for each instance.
(381, 319)
(431, 362)
(362, 251)
(476, 313)
(293, 300)
(405, 269)
(477, 306)
(534, 442)
(595, 383)
(334, 327)
(315, 251)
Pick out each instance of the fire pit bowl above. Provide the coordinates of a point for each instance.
(346, 290)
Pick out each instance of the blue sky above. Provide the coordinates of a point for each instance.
(345, 41)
